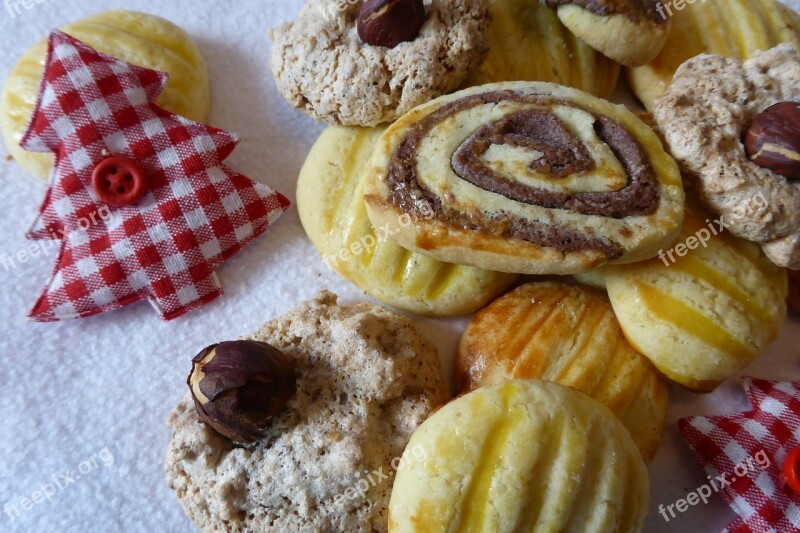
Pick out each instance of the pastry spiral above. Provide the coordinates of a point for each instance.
(522, 177)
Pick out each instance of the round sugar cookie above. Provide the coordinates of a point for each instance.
(330, 200)
(566, 334)
(734, 29)
(705, 308)
(632, 32)
(138, 38)
(525, 177)
(525, 455)
(524, 29)
(365, 381)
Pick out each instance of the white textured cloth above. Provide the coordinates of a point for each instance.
(83, 404)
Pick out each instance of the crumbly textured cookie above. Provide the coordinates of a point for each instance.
(365, 381)
(322, 67)
(524, 455)
(632, 32)
(137, 38)
(525, 29)
(732, 29)
(703, 116)
(703, 310)
(569, 335)
(525, 177)
(330, 200)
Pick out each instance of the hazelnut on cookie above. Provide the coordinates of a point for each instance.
(735, 126)
(357, 63)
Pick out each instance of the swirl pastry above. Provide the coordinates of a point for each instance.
(137, 38)
(733, 29)
(632, 32)
(522, 29)
(525, 455)
(566, 334)
(530, 178)
(330, 199)
(703, 310)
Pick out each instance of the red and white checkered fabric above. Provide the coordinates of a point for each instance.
(758, 495)
(196, 214)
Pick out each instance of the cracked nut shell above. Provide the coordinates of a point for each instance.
(772, 140)
(239, 386)
(390, 22)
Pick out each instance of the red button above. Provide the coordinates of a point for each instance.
(118, 181)
(791, 470)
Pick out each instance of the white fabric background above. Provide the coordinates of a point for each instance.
(70, 390)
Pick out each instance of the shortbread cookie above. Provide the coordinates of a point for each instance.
(525, 29)
(704, 114)
(322, 67)
(733, 29)
(365, 381)
(521, 456)
(566, 334)
(705, 308)
(137, 38)
(330, 199)
(632, 32)
(531, 178)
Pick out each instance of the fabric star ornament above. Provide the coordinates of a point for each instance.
(162, 243)
(747, 452)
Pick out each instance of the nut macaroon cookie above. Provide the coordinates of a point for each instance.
(523, 455)
(279, 430)
(138, 38)
(525, 177)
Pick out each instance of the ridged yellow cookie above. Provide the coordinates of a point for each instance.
(733, 28)
(527, 42)
(566, 334)
(525, 177)
(705, 309)
(524, 455)
(137, 38)
(330, 199)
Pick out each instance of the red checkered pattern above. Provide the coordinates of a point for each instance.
(760, 497)
(166, 248)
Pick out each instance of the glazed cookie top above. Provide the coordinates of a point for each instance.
(322, 67)
(365, 380)
(703, 116)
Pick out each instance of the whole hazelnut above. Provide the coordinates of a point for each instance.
(772, 140)
(390, 22)
(239, 386)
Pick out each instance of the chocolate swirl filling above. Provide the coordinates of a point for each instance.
(635, 10)
(563, 155)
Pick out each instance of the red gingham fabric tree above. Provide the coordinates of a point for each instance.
(195, 214)
(723, 445)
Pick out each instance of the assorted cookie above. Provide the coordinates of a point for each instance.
(524, 455)
(525, 29)
(732, 29)
(632, 32)
(569, 335)
(316, 405)
(529, 178)
(330, 200)
(138, 38)
(324, 67)
(735, 126)
(704, 308)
